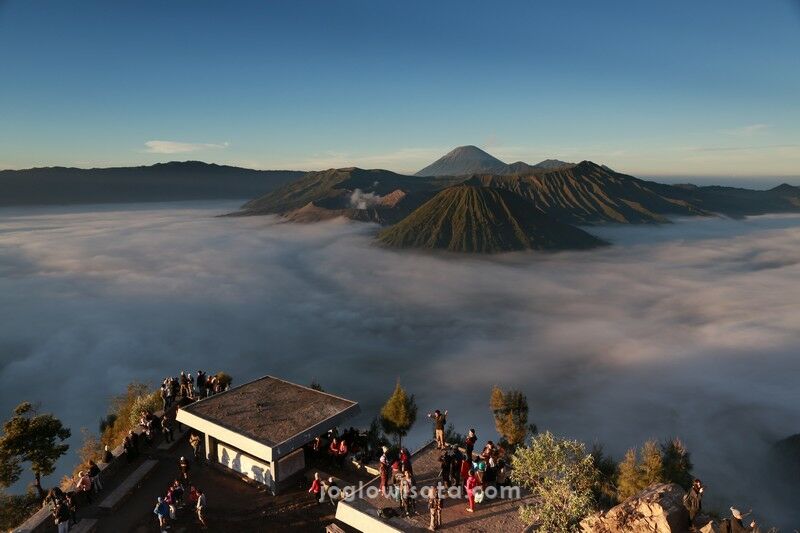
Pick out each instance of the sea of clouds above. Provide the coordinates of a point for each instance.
(690, 329)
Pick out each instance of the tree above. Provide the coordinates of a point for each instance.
(605, 490)
(510, 410)
(628, 476)
(637, 472)
(562, 475)
(677, 463)
(652, 467)
(32, 438)
(399, 413)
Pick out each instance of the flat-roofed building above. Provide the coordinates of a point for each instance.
(258, 429)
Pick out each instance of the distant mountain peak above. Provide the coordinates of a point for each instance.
(462, 160)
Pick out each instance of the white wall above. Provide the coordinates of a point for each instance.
(256, 470)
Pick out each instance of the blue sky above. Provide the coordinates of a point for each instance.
(652, 88)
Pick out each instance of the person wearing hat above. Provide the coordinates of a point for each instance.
(737, 526)
(693, 500)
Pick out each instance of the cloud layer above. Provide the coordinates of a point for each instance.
(689, 329)
(175, 147)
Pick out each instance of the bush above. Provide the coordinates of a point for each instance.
(16, 508)
(125, 410)
(606, 489)
(654, 463)
(562, 476)
(510, 411)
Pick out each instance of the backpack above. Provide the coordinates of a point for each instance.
(387, 513)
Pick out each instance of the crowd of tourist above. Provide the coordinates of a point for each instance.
(64, 504)
(193, 387)
(178, 495)
(459, 467)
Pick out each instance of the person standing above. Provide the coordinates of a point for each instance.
(161, 511)
(201, 508)
(384, 469)
(472, 482)
(435, 508)
(183, 468)
(406, 490)
(84, 486)
(439, 420)
(61, 516)
(693, 500)
(316, 488)
(94, 476)
(194, 441)
(469, 443)
(166, 428)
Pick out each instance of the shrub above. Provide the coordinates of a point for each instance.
(399, 413)
(562, 477)
(510, 410)
(125, 410)
(677, 463)
(665, 463)
(16, 508)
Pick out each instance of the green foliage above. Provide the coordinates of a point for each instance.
(316, 386)
(16, 508)
(399, 413)
(510, 410)
(451, 435)
(562, 476)
(150, 403)
(606, 489)
(125, 410)
(29, 437)
(654, 463)
(628, 482)
(108, 421)
(677, 463)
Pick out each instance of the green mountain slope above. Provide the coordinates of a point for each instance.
(334, 190)
(467, 218)
(587, 193)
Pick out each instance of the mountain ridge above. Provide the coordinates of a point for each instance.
(170, 181)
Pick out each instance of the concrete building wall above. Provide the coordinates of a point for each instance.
(257, 470)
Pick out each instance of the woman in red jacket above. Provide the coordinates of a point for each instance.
(472, 482)
(315, 487)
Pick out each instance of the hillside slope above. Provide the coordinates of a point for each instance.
(588, 193)
(467, 218)
(344, 191)
(189, 180)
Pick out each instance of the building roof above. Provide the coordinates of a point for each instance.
(270, 410)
